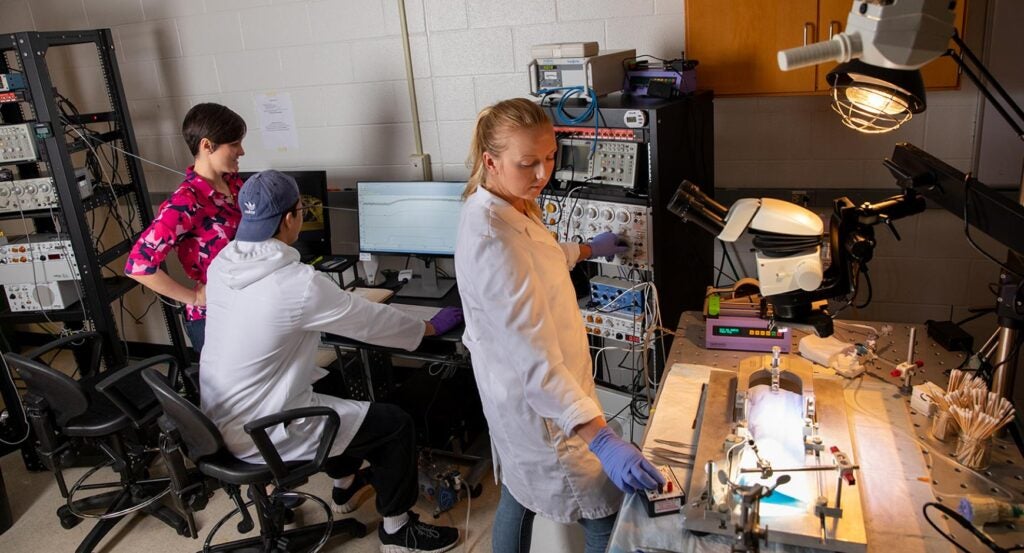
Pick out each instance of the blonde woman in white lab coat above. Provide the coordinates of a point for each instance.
(553, 452)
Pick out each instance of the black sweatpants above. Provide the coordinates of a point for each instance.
(387, 439)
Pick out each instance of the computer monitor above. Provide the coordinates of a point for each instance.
(420, 219)
(315, 236)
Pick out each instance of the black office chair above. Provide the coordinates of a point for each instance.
(72, 418)
(204, 445)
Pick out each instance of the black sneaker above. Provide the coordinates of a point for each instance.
(418, 537)
(349, 499)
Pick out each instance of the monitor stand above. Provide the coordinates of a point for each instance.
(428, 285)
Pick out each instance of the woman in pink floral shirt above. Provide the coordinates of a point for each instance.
(199, 218)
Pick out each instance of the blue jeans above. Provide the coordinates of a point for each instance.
(196, 331)
(513, 528)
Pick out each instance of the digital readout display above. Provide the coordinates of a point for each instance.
(740, 332)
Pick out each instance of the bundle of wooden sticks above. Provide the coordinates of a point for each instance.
(979, 414)
(957, 393)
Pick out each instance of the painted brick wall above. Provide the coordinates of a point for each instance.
(341, 62)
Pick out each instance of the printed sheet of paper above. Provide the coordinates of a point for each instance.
(277, 121)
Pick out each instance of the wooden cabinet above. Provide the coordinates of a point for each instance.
(737, 41)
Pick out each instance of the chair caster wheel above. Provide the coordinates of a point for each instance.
(183, 530)
(245, 527)
(67, 519)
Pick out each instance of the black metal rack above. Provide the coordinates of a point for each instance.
(38, 105)
(677, 143)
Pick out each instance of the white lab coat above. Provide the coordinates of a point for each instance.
(531, 360)
(264, 314)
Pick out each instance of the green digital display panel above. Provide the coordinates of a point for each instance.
(736, 331)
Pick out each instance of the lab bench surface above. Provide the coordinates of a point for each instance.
(902, 466)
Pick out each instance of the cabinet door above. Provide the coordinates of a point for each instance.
(832, 19)
(940, 73)
(943, 72)
(737, 41)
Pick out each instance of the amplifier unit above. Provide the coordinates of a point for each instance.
(41, 296)
(37, 258)
(615, 295)
(17, 143)
(607, 162)
(614, 326)
(29, 194)
(602, 72)
(580, 220)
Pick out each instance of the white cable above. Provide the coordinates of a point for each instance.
(925, 447)
(71, 268)
(561, 206)
(597, 356)
(855, 325)
(121, 221)
(24, 415)
(601, 309)
(32, 261)
(469, 509)
(140, 158)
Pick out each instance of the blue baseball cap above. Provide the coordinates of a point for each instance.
(263, 199)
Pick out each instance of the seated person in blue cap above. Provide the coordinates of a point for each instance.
(265, 313)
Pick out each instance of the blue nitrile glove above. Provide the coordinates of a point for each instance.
(446, 319)
(623, 463)
(606, 245)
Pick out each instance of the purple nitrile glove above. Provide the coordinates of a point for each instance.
(446, 319)
(606, 245)
(625, 466)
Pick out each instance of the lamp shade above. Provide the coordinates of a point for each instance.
(875, 99)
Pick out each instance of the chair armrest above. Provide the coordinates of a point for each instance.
(140, 412)
(94, 338)
(283, 477)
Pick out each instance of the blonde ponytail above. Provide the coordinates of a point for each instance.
(493, 125)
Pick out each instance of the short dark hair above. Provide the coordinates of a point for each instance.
(280, 219)
(214, 122)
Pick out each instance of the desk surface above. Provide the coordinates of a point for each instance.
(898, 471)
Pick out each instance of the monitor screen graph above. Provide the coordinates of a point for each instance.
(417, 218)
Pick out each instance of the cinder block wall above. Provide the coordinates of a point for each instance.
(341, 61)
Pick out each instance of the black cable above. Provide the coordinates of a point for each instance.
(725, 253)
(965, 524)
(967, 230)
(867, 280)
(718, 270)
(977, 315)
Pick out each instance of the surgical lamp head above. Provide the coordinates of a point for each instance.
(877, 86)
(875, 99)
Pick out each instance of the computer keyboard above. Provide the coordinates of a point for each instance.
(423, 312)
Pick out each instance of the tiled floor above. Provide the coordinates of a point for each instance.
(34, 499)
